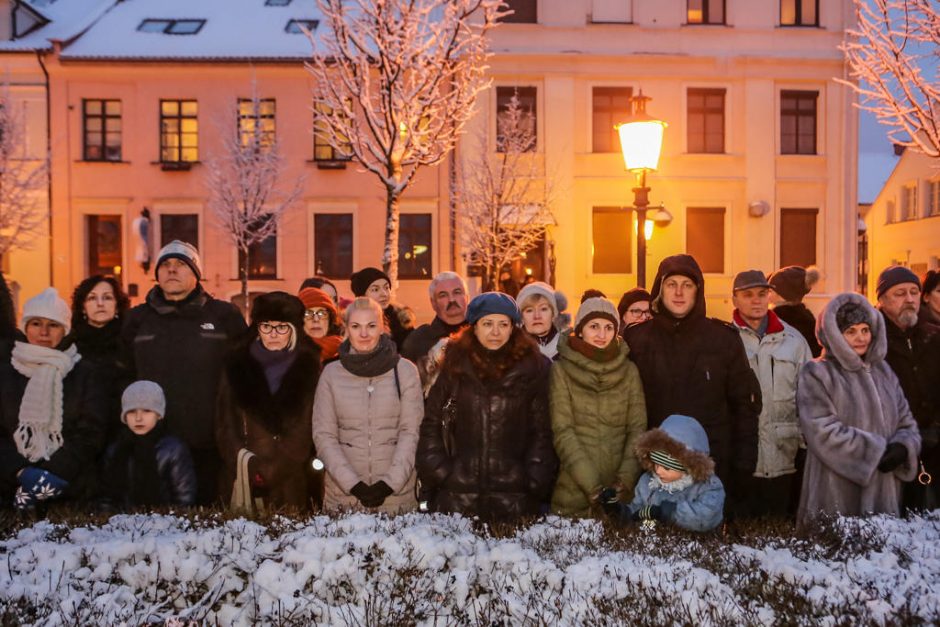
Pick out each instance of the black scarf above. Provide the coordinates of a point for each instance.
(97, 344)
(543, 340)
(135, 476)
(383, 358)
(275, 364)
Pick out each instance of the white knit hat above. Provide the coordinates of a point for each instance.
(47, 304)
(538, 288)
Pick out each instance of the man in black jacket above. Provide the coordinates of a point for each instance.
(914, 355)
(448, 292)
(696, 366)
(178, 338)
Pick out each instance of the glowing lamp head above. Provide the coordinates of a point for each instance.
(641, 141)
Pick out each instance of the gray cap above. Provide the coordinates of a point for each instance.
(143, 395)
(748, 279)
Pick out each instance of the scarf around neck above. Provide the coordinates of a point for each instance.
(673, 486)
(274, 364)
(329, 346)
(39, 433)
(380, 360)
(602, 355)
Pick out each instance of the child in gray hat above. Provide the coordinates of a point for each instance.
(147, 467)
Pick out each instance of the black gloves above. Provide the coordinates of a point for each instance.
(895, 455)
(371, 495)
(610, 503)
(661, 512)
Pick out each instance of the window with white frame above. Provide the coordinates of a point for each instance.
(908, 202)
(890, 212)
(933, 198)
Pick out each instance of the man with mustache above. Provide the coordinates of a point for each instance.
(424, 346)
(914, 355)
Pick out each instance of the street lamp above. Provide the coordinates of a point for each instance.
(641, 141)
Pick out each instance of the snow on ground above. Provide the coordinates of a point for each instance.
(441, 570)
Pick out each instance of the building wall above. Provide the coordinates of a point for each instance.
(915, 241)
(564, 55)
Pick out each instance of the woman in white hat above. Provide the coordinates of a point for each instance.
(52, 413)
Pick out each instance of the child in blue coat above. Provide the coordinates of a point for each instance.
(679, 486)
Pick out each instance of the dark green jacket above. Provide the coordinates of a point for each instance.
(598, 411)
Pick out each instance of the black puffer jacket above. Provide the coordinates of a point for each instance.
(696, 366)
(503, 464)
(182, 346)
(802, 319)
(174, 466)
(83, 429)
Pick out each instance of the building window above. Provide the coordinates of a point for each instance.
(706, 120)
(256, 122)
(612, 240)
(296, 27)
(322, 149)
(890, 212)
(101, 121)
(798, 237)
(333, 244)
(414, 246)
(262, 257)
(933, 198)
(104, 244)
(276, 3)
(705, 237)
(705, 12)
(799, 12)
(524, 12)
(610, 106)
(171, 27)
(527, 103)
(179, 131)
(181, 226)
(612, 12)
(798, 122)
(908, 202)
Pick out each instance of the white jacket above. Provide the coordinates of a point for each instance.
(776, 359)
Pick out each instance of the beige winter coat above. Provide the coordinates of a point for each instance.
(364, 432)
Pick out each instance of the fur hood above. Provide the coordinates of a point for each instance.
(684, 439)
(834, 345)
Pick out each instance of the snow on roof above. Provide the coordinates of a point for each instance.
(67, 19)
(233, 29)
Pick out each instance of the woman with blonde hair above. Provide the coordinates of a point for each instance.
(366, 416)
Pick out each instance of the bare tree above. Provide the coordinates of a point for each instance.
(504, 199)
(395, 81)
(245, 194)
(23, 180)
(894, 55)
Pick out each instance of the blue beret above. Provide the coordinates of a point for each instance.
(492, 303)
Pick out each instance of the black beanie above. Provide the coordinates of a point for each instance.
(895, 275)
(635, 295)
(851, 314)
(360, 281)
(931, 280)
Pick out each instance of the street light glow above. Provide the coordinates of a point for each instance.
(641, 142)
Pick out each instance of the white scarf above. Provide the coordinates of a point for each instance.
(672, 487)
(39, 433)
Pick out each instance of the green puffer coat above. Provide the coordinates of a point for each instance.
(598, 411)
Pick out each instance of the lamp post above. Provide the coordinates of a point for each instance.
(641, 141)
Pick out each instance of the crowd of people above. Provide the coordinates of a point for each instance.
(647, 411)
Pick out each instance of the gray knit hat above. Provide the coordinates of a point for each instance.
(538, 288)
(143, 395)
(185, 252)
(595, 308)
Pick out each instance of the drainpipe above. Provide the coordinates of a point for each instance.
(45, 72)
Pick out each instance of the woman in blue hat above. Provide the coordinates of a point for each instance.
(486, 440)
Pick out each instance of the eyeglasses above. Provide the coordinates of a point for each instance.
(640, 312)
(280, 329)
(316, 314)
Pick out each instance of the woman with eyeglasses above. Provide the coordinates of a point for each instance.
(265, 400)
(366, 417)
(321, 322)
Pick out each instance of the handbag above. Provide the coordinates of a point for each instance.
(242, 499)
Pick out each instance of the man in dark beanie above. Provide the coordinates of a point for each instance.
(178, 338)
(634, 307)
(788, 287)
(914, 355)
(696, 366)
(375, 284)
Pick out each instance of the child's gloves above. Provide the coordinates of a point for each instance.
(894, 456)
(661, 512)
(24, 500)
(610, 503)
(42, 484)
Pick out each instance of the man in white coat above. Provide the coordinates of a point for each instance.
(776, 352)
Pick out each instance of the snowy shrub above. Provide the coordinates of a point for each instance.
(447, 570)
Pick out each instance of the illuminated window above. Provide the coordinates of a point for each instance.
(256, 121)
(179, 131)
(705, 12)
(799, 12)
(527, 103)
(322, 149)
(414, 246)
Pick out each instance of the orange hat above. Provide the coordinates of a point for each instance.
(314, 297)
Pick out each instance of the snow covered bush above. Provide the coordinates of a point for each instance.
(447, 570)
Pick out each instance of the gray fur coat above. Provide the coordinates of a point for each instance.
(850, 409)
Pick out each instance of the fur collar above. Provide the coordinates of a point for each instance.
(700, 465)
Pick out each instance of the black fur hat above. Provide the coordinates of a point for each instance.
(278, 306)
